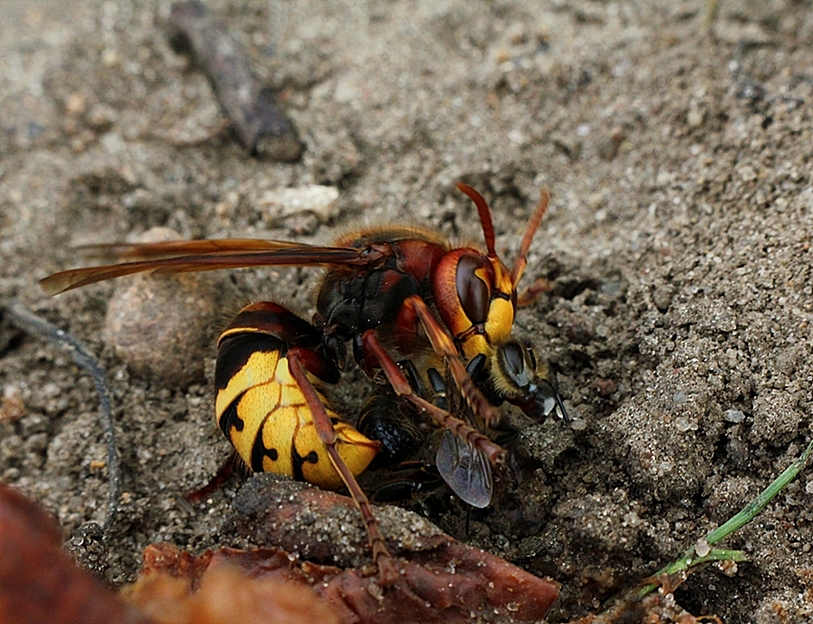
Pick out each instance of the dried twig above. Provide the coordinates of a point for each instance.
(40, 328)
(252, 108)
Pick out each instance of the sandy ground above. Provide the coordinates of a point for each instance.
(680, 166)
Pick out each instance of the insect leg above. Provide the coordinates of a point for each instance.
(401, 386)
(226, 469)
(444, 346)
(387, 571)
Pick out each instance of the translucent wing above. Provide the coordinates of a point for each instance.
(466, 470)
(203, 255)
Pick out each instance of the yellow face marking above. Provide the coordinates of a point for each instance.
(502, 277)
(500, 321)
(501, 311)
(482, 275)
(500, 317)
(497, 330)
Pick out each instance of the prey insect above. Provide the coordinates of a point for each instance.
(395, 294)
(465, 468)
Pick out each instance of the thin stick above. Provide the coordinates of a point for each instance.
(253, 110)
(40, 328)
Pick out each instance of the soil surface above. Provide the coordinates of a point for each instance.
(680, 164)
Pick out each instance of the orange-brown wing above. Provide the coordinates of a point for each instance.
(168, 249)
(211, 255)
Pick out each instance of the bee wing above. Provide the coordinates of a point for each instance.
(466, 470)
(205, 255)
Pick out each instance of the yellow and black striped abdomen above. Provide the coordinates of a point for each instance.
(262, 410)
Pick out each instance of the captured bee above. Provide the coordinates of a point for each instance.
(386, 291)
(520, 381)
(402, 432)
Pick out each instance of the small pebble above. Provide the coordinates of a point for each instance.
(164, 327)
